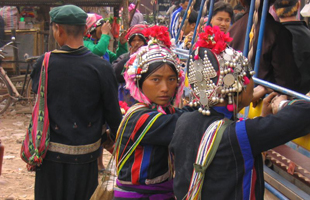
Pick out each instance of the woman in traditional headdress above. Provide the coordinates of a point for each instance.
(222, 159)
(135, 39)
(97, 38)
(156, 81)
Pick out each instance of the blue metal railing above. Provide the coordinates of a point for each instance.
(260, 36)
(248, 29)
(197, 22)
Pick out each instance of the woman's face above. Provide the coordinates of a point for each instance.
(136, 42)
(161, 85)
(222, 20)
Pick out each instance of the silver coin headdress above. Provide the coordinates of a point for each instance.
(216, 71)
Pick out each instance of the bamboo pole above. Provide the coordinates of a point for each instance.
(125, 14)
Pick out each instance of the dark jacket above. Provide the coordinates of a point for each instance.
(82, 97)
(236, 171)
(277, 59)
(118, 66)
(148, 165)
(301, 49)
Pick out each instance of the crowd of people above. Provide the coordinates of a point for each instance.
(165, 151)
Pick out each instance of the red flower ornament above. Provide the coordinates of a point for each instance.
(214, 39)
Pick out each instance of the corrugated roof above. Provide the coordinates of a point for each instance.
(108, 3)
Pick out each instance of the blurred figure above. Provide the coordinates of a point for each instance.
(276, 61)
(97, 38)
(137, 16)
(174, 23)
(135, 39)
(187, 29)
(239, 11)
(287, 11)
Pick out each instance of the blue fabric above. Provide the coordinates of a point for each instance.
(173, 28)
(247, 156)
(147, 150)
(106, 57)
(224, 111)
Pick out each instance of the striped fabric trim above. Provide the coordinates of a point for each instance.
(247, 157)
(147, 150)
(137, 142)
(203, 156)
(135, 169)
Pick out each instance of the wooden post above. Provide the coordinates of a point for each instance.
(125, 14)
(15, 52)
(1, 155)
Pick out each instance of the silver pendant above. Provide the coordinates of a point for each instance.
(229, 79)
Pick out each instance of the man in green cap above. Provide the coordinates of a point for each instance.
(82, 97)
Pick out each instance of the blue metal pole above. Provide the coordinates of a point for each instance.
(198, 20)
(210, 12)
(248, 29)
(281, 89)
(261, 36)
(275, 192)
(183, 20)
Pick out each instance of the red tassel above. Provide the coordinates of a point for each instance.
(196, 57)
(246, 80)
(231, 107)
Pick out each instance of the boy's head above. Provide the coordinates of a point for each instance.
(184, 4)
(68, 20)
(192, 18)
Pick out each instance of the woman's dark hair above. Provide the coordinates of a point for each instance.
(152, 68)
(222, 6)
(192, 16)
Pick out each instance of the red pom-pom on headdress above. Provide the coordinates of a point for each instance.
(160, 33)
(214, 39)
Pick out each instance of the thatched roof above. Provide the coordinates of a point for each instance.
(108, 3)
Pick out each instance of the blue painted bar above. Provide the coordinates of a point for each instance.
(248, 29)
(261, 36)
(275, 192)
(182, 50)
(198, 20)
(210, 12)
(183, 20)
(281, 89)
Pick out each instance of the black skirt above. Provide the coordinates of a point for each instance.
(60, 181)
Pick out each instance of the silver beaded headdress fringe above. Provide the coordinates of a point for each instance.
(213, 77)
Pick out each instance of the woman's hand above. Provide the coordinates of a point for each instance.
(106, 28)
(259, 92)
(276, 102)
(267, 104)
(122, 39)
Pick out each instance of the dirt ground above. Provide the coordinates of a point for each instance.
(16, 183)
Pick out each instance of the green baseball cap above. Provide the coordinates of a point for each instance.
(68, 14)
